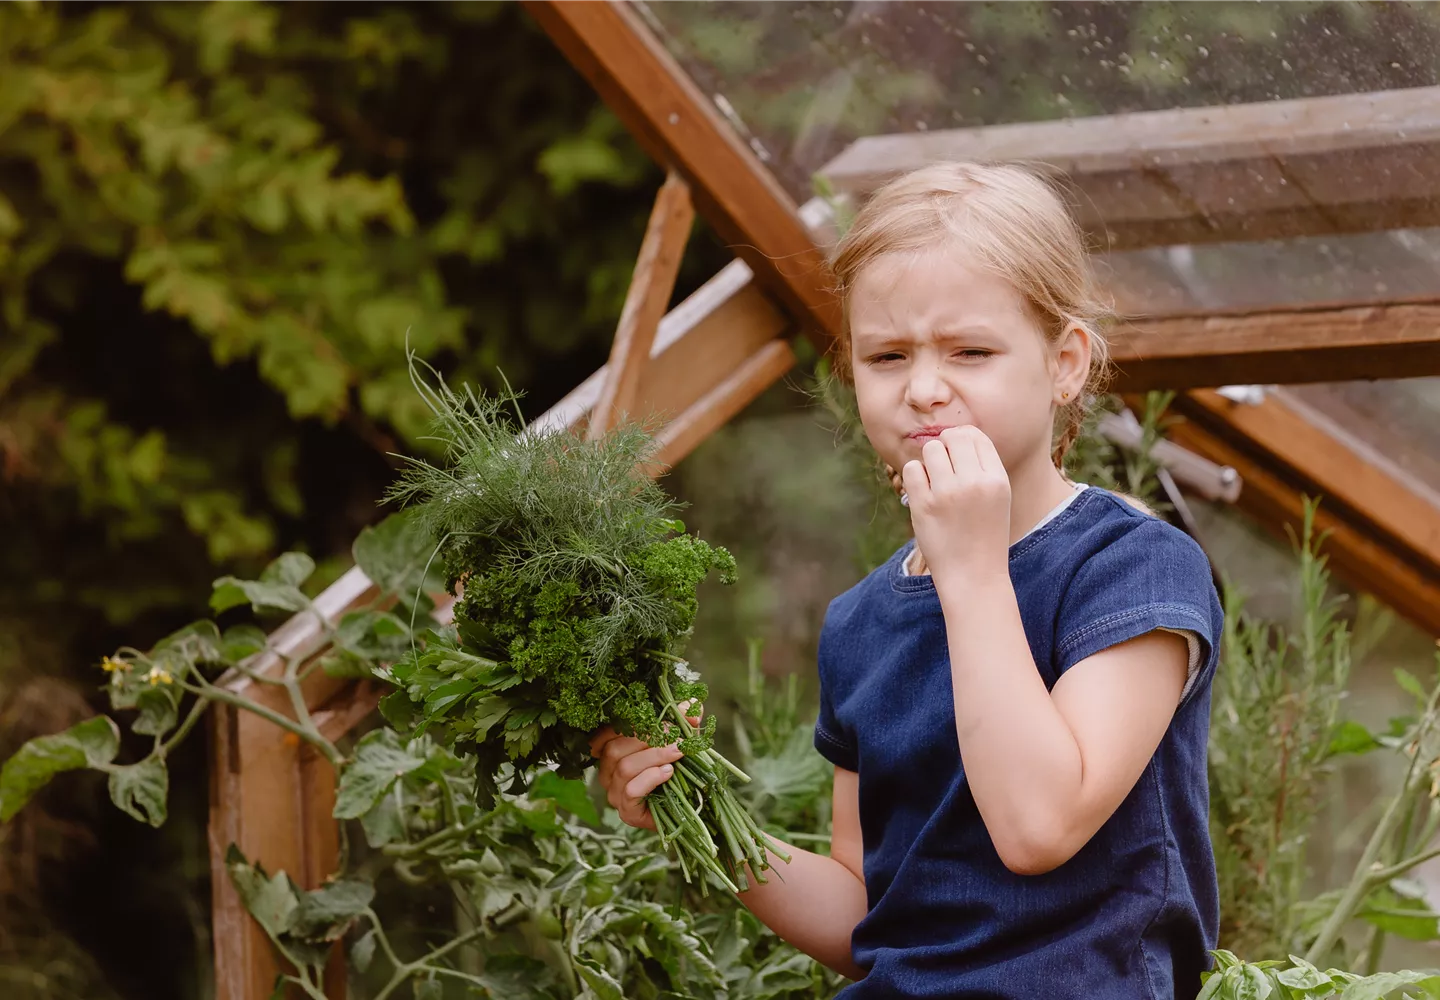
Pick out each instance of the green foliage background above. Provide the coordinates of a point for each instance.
(218, 224)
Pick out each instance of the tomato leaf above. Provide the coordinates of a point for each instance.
(141, 789)
(378, 762)
(570, 795)
(86, 744)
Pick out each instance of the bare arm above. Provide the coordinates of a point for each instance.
(1046, 768)
(813, 903)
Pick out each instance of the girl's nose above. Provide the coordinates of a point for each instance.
(926, 388)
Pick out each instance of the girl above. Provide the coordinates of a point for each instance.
(1017, 702)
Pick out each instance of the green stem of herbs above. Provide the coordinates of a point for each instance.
(1368, 873)
(304, 675)
(303, 979)
(1361, 882)
(1396, 870)
(1432, 823)
(296, 696)
(1375, 949)
(258, 677)
(692, 828)
(407, 871)
(710, 756)
(468, 977)
(717, 758)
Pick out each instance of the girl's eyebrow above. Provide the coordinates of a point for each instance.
(968, 331)
(946, 333)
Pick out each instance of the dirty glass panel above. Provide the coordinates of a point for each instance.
(1398, 419)
(805, 80)
(1390, 265)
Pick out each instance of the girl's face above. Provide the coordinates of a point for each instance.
(937, 342)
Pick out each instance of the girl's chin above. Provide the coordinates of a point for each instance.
(914, 447)
(909, 451)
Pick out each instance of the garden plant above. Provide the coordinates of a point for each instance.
(470, 788)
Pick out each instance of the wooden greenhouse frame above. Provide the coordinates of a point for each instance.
(1154, 178)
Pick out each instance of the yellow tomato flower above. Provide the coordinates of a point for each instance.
(158, 676)
(113, 666)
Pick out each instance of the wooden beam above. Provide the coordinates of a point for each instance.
(1404, 511)
(1384, 533)
(700, 341)
(260, 794)
(1342, 163)
(1366, 414)
(679, 127)
(651, 286)
(706, 415)
(1308, 345)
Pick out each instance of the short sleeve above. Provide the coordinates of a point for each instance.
(834, 744)
(1152, 577)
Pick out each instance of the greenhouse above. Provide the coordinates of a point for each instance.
(1255, 184)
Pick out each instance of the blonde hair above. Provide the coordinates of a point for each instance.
(1016, 225)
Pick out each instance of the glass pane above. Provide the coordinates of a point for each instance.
(807, 79)
(1399, 419)
(1395, 265)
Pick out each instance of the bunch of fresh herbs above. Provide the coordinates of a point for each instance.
(576, 597)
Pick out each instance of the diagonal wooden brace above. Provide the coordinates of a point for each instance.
(650, 289)
(1384, 528)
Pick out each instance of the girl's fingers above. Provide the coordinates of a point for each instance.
(917, 481)
(960, 446)
(637, 816)
(599, 738)
(614, 752)
(646, 782)
(621, 747)
(986, 453)
(939, 466)
(633, 764)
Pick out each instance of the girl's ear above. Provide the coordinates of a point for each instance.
(1072, 363)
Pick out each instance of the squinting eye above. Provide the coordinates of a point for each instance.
(887, 357)
(975, 353)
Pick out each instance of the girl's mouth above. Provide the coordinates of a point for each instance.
(924, 434)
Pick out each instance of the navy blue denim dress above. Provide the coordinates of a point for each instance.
(1133, 913)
